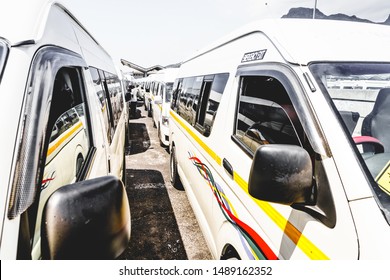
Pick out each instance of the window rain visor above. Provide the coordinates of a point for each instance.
(360, 95)
(3, 56)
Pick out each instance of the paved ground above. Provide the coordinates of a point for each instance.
(163, 224)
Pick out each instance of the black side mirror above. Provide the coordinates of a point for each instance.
(86, 220)
(282, 174)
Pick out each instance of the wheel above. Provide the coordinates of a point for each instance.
(160, 136)
(174, 175)
(79, 164)
(127, 136)
(230, 254)
(124, 170)
(150, 111)
(154, 123)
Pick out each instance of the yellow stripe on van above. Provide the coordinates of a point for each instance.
(290, 230)
(196, 138)
(63, 138)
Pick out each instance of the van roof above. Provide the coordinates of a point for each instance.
(25, 20)
(48, 22)
(301, 41)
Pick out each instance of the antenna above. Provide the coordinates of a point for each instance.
(315, 8)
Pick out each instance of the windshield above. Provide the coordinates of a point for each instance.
(3, 56)
(361, 94)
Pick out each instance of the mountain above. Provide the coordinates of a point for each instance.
(308, 13)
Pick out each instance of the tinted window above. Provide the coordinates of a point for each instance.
(68, 138)
(211, 97)
(102, 96)
(168, 91)
(186, 99)
(177, 90)
(265, 114)
(115, 96)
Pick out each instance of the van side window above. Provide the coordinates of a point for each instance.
(160, 89)
(168, 91)
(196, 99)
(265, 114)
(102, 96)
(185, 98)
(193, 100)
(115, 96)
(177, 89)
(211, 94)
(69, 141)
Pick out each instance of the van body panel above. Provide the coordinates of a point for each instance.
(216, 168)
(160, 98)
(366, 217)
(289, 43)
(18, 67)
(51, 47)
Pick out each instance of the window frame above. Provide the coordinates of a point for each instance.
(299, 99)
(33, 137)
(4, 51)
(207, 87)
(184, 88)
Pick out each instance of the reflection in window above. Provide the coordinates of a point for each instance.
(68, 141)
(265, 114)
(213, 100)
(168, 91)
(360, 93)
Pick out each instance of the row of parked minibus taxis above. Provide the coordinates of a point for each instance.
(279, 133)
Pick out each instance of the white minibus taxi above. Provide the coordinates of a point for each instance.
(161, 103)
(62, 151)
(280, 135)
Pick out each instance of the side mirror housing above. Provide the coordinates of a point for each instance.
(86, 220)
(282, 174)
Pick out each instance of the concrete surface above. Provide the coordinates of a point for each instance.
(163, 223)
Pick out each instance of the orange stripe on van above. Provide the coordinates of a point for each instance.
(289, 229)
(312, 251)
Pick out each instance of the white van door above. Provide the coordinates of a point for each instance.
(271, 110)
(187, 148)
(195, 108)
(57, 146)
(109, 92)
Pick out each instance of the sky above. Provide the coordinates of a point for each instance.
(163, 32)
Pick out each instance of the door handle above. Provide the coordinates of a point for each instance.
(228, 167)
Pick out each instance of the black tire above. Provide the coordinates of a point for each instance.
(230, 254)
(127, 135)
(124, 170)
(160, 136)
(79, 164)
(174, 175)
(154, 124)
(150, 110)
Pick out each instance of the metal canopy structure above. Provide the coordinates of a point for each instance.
(145, 71)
